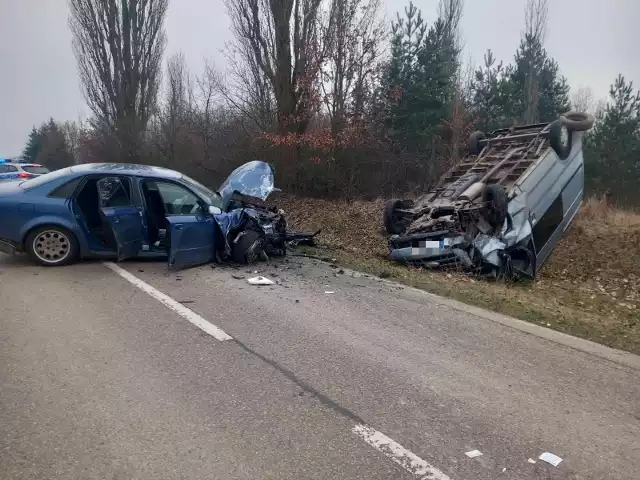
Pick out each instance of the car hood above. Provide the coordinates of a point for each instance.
(253, 179)
(10, 187)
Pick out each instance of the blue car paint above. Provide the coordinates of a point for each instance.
(26, 205)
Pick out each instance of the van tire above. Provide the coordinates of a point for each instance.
(36, 245)
(497, 202)
(247, 248)
(474, 143)
(578, 121)
(560, 138)
(393, 224)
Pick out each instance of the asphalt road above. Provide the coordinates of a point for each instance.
(101, 380)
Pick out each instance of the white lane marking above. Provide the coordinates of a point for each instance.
(396, 452)
(177, 307)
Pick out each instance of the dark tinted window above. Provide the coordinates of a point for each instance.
(4, 168)
(548, 224)
(35, 169)
(66, 190)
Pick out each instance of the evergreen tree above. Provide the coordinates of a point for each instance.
(34, 144)
(420, 79)
(54, 153)
(612, 150)
(537, 91)
(490, 95)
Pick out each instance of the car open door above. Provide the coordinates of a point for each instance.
(121, 216)
(192, 239)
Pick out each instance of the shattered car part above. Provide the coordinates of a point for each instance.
(501, 211)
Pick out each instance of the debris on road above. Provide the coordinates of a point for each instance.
(550, 458)
(473, 453)
(260, 281)
(329, 292)
(531, 460)
(501, 211)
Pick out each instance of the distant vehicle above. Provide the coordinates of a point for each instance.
(502, 210)
(13, 169)
(123, 210)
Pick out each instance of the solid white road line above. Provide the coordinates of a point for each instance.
(396, 452)
(177, 307)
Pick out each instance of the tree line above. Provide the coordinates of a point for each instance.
(339, 100)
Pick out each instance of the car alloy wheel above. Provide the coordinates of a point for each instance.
(52, 246)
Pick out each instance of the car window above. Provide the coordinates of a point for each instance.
(212, 197)
(35, 169)
(178, 200)
(66, 190)
(113, 192)
(4, 169)
(9, 168)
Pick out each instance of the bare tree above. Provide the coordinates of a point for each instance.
(175, 107)
(583, 100)
(283, 40)
(356, 36)
(118, 46)
(536, 18)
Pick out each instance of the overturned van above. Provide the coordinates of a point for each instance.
(501, 211)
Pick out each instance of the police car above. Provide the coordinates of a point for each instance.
(16, 169)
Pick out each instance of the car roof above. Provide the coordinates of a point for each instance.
(126, 169)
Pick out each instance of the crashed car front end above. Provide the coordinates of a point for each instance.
(251, 230)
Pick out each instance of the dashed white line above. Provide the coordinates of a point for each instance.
(177, 307)
(400, 455)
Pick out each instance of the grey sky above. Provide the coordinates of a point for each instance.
(593, 40)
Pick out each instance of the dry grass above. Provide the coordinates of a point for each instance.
(590, 287)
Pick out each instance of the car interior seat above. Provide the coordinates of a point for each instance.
(156, 215)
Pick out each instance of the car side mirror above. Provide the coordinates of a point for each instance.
(214, 210)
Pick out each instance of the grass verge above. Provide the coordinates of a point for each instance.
(589, 288)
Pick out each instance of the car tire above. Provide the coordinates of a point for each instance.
(578, 121)
(497, 201)
(560, 138)
(393, 224)
(52, 246)
(248, 247)
(474, 143)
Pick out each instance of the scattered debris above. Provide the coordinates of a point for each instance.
(473, 453)
(550, 458)
(260, 281)
(531, 460)
(185, 302)
(329, 292)
(237, 277)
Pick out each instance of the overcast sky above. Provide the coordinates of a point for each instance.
(593, 41)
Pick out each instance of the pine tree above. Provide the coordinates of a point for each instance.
(34, 144)
(420, 78)
(490, 95)
(612, 150)
(537, 91)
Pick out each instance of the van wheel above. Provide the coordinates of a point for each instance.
(393, 221)
(52, 246)
(498, 206)
(578, 121)
(560, 138)
(474, 143)
(248, 247)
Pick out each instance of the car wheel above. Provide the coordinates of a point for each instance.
(475, 147)
(248, 247)
(52, 246)
(560, 138)
(498, 204)
(393, 221)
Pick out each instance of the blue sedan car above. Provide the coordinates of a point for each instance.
(122, 211)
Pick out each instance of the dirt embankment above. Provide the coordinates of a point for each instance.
(590, 287)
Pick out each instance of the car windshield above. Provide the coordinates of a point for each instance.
(212, 197)
(46, 178)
